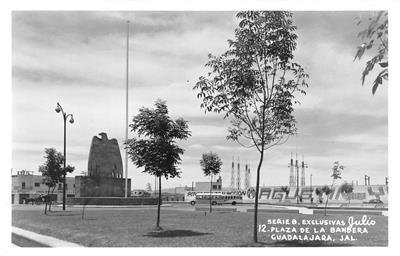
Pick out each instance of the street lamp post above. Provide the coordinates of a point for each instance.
(71, 120)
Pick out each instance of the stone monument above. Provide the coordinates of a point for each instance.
(105, 171)
(105, 157)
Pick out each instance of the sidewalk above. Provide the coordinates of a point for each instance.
(48, 241)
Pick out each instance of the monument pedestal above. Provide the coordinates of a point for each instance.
(97, 186)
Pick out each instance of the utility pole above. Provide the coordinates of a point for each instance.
(291, 176)
(233, 174)
(303, 172)
(367, 180)
(238, 181)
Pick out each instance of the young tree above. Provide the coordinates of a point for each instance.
(53, 172)
(327, 191)
(285, 189)
(375, 37)
(336, 174)
(254, 83)
(155, 147)
(319, 193)
(148, 187)
(211, 165)
(347, 189)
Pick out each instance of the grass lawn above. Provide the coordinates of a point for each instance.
(129, 227)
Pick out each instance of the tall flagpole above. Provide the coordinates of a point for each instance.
(126, 107)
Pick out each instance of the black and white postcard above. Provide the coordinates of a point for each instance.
(253, 127)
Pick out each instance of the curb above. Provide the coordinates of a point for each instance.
(216, 209)
(271, 210)
(354, 212)
(115, 206)
(46, 240)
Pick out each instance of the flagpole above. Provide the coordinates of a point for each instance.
(126, 107)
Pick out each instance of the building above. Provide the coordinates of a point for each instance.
(165, 196)
(172, 197)
(205, 186)
(179, 190)
(26, 185)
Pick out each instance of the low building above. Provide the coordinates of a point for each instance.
(205, 186)
(177, 190)
(172, 197)
(165, 196)
(26, 185)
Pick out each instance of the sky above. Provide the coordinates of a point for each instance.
(78, 59)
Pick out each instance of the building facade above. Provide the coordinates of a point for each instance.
(26, 185)
(205, 186)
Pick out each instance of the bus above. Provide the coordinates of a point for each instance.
(217, 198)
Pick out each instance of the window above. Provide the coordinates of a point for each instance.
(37, 184)
(59, 186)
(23, 185)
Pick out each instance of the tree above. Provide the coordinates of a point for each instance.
(53, 172)
(211, 165)
(327, 191)
(375, 37)
(336, 174)
(148, 187)
(319, 193)
(155, 147)
(285, 189)
(347, 189)
(254, 83)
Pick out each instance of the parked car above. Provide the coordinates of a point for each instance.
(374, 201)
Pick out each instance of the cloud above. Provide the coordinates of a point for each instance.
(78, 59)
(338, 123)
(197, 146)
(227, 148)
(94, 24)
(49, 76)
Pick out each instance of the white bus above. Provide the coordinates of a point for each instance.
(217, 198)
